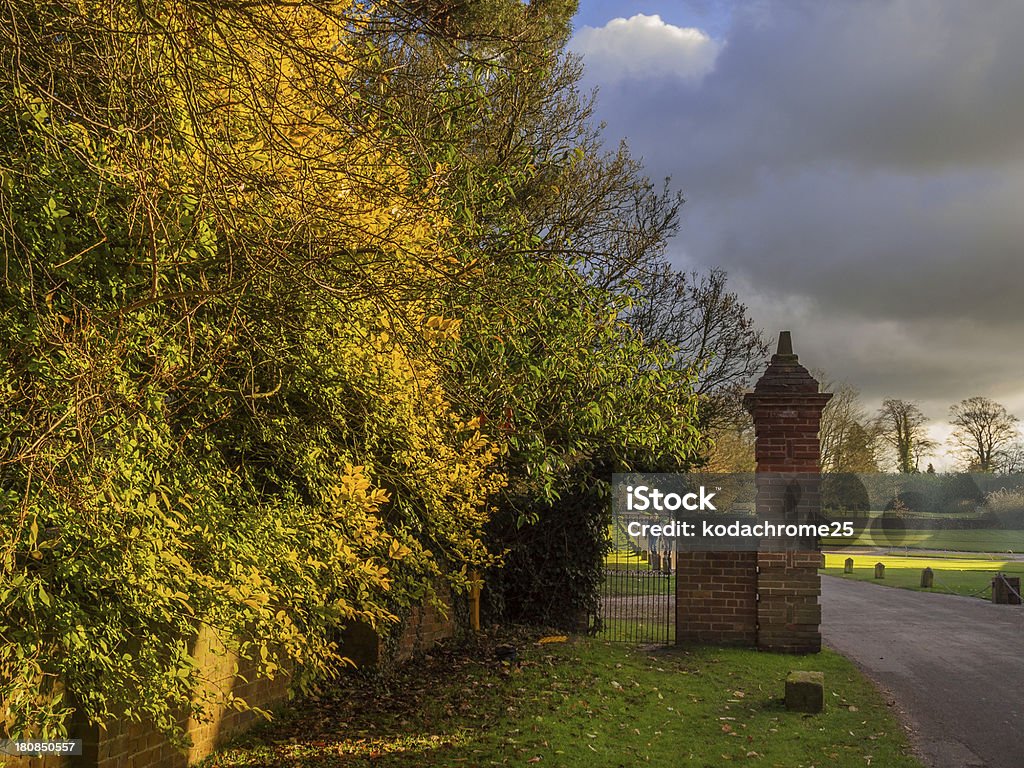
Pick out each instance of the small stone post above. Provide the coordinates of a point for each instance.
(1006, 590)
(848, 565)
(805, 692)
(927, 578)
(879, 570)
(786, 407)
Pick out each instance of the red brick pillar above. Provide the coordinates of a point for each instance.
(786, 406)
(716, 598)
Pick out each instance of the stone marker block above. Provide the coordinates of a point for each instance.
(848, 565)
(805, 692)
(879, 571)
(927, 578)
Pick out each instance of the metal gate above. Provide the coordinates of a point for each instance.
(638, 604)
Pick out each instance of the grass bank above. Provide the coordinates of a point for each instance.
(584, 704)
(952, 575)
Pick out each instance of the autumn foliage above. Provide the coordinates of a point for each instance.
(281, 328)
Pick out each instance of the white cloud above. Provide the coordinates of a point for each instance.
(644, 47)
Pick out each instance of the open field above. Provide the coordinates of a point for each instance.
(985, 540)
(954, 575)
(585, 704)
(877, 534)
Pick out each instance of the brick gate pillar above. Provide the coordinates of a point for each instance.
(786, 407)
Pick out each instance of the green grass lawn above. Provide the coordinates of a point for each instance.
(953, 575)
(584, 704)
(960, 541)
(981, 540)
(652, 583)
(637, 630)
(626, 560)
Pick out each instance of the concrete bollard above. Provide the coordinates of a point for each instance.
(805, 692)
(848, 565)
(879, 571)
(927, 578)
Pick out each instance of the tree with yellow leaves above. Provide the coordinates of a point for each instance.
(283, 324)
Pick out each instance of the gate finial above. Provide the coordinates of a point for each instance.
(785, 348)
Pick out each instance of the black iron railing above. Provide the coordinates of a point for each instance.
(637, 606)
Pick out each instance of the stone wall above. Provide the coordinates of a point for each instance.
(138, 745)
(135, 745)
(425, 627)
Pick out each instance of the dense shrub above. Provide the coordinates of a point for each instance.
(281, 313)
(1004, 508)
(220, 399)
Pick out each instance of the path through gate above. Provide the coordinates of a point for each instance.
(638, 606)
(638, 594)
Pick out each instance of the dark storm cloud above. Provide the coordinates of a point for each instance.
(911, 85)
(859, 170)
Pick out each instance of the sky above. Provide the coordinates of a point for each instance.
(856, 167)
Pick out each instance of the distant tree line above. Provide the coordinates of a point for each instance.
(895, 438)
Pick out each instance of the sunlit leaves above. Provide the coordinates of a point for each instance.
(223, 408)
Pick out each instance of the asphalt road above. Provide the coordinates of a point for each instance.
(953, 665)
